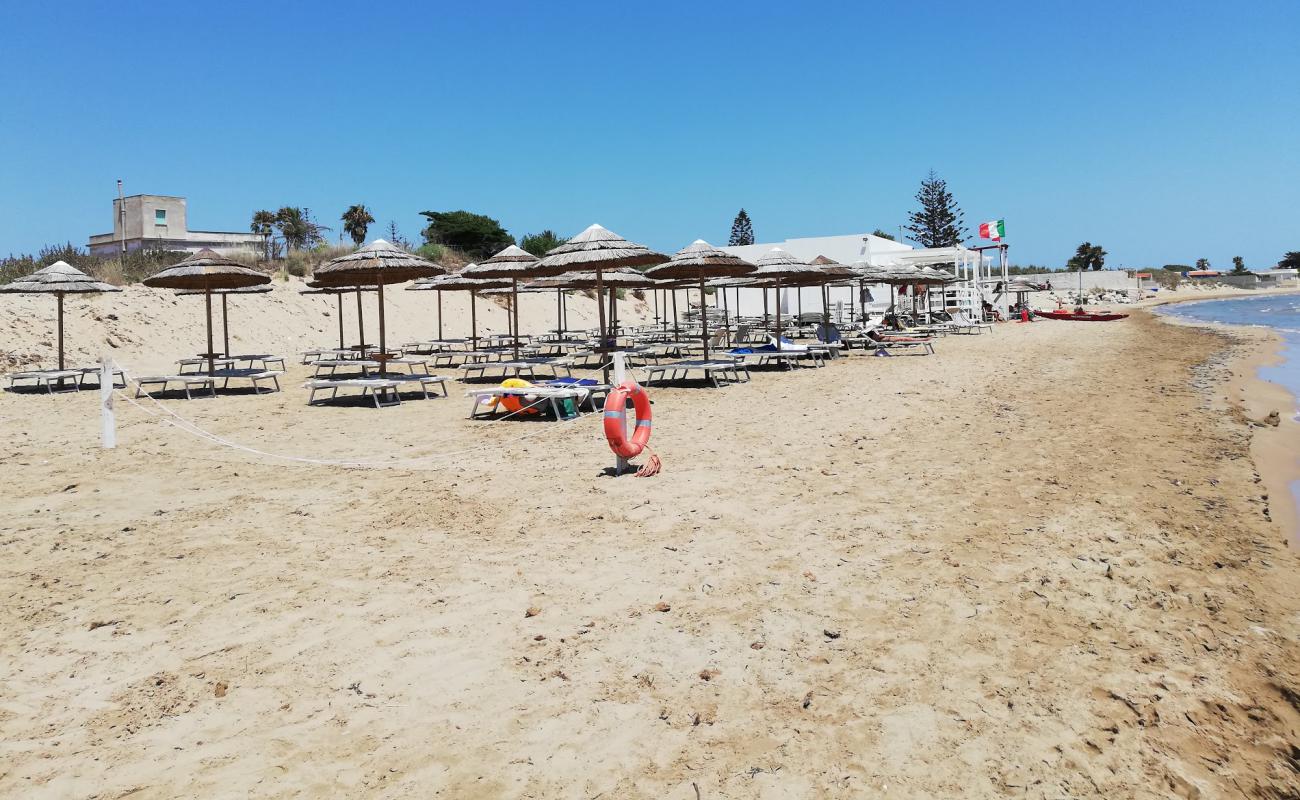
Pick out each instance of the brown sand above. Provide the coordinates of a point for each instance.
(1037, 564)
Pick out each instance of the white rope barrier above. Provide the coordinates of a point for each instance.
(192, 428)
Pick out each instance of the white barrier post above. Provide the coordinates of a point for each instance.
(108, 430)
(620, 375)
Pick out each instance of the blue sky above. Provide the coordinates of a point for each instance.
(1164, 131)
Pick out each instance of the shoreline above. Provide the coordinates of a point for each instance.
(1273, 449)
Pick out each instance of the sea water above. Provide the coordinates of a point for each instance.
(1281, 312)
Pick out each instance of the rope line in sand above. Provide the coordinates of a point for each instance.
(192, 428)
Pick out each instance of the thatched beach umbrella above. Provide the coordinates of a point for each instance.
(458, 283)
(613, 279)
(599, 249)
(377, 264)
(339, 291)
(225, 319)
(514, 263)
(777, 266)
(700, 261)
(207, 272)
(58, 279)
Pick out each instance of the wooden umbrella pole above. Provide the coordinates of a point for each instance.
(473, 320)
(383, 350)
(225, 327)
(207, 302)
(600, 309)
(361, 326)
(340, 299)
(704, 318)
(603, 347)
(778, 314)
(726, 317)
(613, 314)
(655, 293)
(766, 317)
(60, 297)
(514, 311)
(677, 331)
(440, 315)
(559, 313)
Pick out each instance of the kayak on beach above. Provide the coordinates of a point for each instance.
(1080, 316)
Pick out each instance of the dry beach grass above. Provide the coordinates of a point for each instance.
(1036, 564)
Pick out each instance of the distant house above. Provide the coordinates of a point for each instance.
(1278, 277)
(159, 221)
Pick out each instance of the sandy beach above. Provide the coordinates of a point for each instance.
(1039, 563)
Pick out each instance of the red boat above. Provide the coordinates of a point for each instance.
(1079, 316)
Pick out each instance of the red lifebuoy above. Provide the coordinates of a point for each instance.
(616, 415)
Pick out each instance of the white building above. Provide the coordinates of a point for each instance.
(159, 221)
(847, 250)
(863, 248)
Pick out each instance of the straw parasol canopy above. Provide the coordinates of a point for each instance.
(514, 263)
(617, 278)
(779, 266)
(701, 261)
(457, 282)
(225, 319)
(376, 264)
(206, 271)
(599, 249)
(58, 279)
(622, 278)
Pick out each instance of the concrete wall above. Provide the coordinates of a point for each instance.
(1104, 279)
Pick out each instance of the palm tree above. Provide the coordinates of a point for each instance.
(1087, 256)
(356, 221)
(264, 224)
(294, 227)
(1096, 257)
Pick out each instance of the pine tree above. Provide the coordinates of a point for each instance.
(742, 230)
(940, 222)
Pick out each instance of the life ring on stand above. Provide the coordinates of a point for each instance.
(513, 403)
(616, 415)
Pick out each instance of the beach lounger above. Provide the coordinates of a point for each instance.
(188, 381)
(714, 372)
(523, 368)
(117, 374)
(962, 323)
(486, 401)
(327, 367)
(185, 366)
(62, 380)
(787, 359)
(260, 358)
(384, 391)
(256, 377)
(882, 344)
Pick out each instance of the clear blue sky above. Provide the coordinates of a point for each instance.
(1165, 131)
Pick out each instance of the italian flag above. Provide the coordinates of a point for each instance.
(993, 230)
